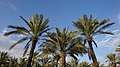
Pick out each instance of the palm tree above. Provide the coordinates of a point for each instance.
(112, 59)
(22, 62)
(90, 27)
(13, 62)
(36, 28)
(73, 63)
(44, 61)
(64, 42)
(118, 49)
(85, 64)
(118, 56)
(4, 59)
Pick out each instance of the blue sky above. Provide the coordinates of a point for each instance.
(62, 13)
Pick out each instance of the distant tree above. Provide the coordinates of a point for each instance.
(4, 59)
(118, 49)
(13, 62)
(22, 62)
(118, 56)
(36, 28)
(90, 27)
(73, 63)
(85, 64)
(111, 59)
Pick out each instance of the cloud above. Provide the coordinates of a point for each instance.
(111, 41)
(12, 6)
(6, 42)
(118, 18)
(4, 31)
(4, 4)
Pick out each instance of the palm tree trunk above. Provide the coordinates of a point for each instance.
(93, 56)
(63, 59)
(34, 41)
(114, 65)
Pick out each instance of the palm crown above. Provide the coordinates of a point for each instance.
(36, 28)
(90, 27)
(112, 59)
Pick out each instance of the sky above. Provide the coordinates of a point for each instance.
(61, 14)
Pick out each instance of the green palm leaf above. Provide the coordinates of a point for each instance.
(14, 32)
(26, 22)
(106, 26)
(19, 28)
(102, 32)
(117, 50)
(95, 43)
(20, 41)
(26, 47)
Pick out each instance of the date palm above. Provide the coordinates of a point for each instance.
(118, 49)
(112, 59)
(73, 63)
(36, 28)
(50, 50)
(85, 64)
(90, 27)
(64, 42)
(22, 62)
(4, 59)
(13, 62)
(118, 56)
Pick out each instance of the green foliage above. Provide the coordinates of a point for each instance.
(85, 64)
(112, 59)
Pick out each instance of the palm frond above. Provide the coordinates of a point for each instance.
(106, 26)
(20, 28)
(102, 32)
(72, 34)
(44, 23)
(85, 41)
(89, 55)
(117, 49)
(14, 32)
(72, 55)
(79, 26)
(58, 32)
(90, 19)
(26, 21)
(20, 41)
(99, 24)
(74, 42)
(40, 21)
(26, 47)
(95, 43)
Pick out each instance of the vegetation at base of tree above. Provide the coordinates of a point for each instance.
(47, 61)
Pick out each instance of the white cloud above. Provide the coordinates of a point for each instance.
(7, 4)
(4, 31)
(6, 42)
(12, 6)
(111, 41)
(118, 18)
